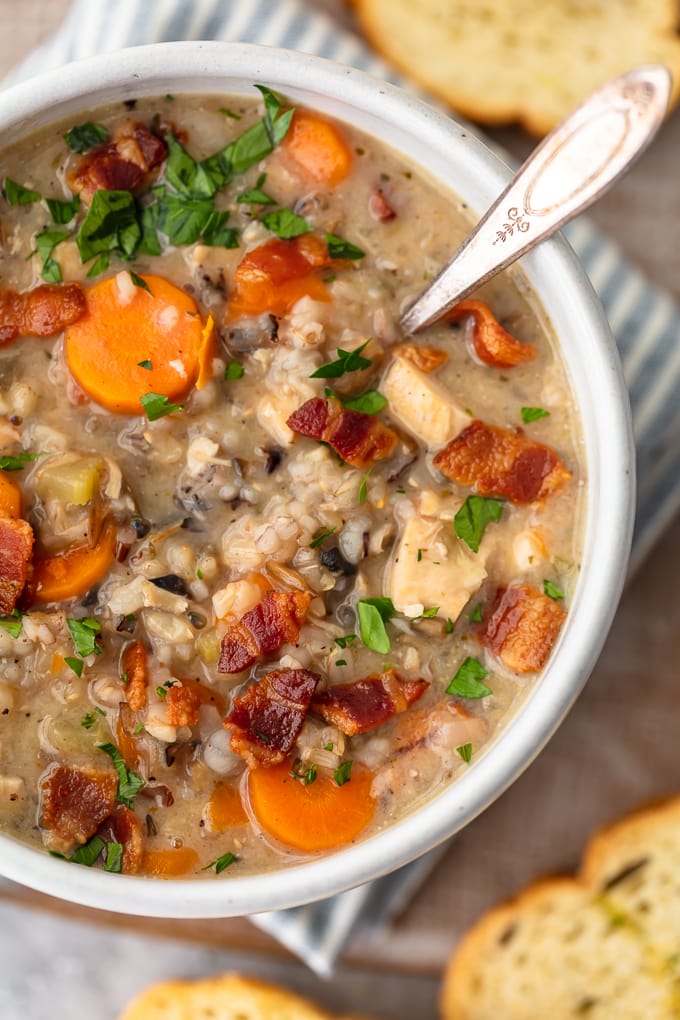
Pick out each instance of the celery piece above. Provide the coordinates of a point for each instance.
(75, 481)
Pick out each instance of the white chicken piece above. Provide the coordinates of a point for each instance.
(428, 568)
(422, 404)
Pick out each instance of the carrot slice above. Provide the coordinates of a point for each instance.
(224, 810)
(319, 816)
(318, 148)
(74, 571)
(135, 341)
(10, 496)
(169, 863)
(275, 275)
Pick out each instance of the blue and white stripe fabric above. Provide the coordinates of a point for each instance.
(644, 320)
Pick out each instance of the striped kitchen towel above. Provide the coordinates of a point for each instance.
(644, 320)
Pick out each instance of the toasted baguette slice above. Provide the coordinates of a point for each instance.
(229, 997)
(500, 61)
(603, 945)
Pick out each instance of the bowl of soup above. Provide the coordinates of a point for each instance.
(287, 597)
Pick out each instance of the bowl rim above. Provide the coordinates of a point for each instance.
(477, 174)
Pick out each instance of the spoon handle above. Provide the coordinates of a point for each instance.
(571, 167)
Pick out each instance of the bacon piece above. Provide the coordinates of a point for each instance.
(360, 439)
(364, 704)
(493, 344)
(73, 803)
(118, 165)
(379, 208)
(43, 311)
(183, 705)
(266, 721)
(16, 546)
(521, 627)
(272, 623)
(133, 665)
(500, 462)
(427, 359)
(122, 826)
(275, 275)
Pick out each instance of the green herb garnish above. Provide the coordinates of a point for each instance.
(12, 623)
(85, 136)
(114, 857)
(342, 774)
(345, 641)
(256, 196)
(45, 243)
(88, 853)
(221, 863)
(110, 225)
(157, 405)
(234, 370)
(530, 414)
(320, 537)
(369, 402)
(75, 664)
(139, 282)
(338, 248)
(467, 681)
(346, 361)
(17, 462)
(465, 751)
(63, 212)
(145, 364)
(363, 488)
(471, 520)
(84, 634)
(477, 613)
(373, 615)
(129, 783)
(17, 194)
(285, 223)
(552, 591)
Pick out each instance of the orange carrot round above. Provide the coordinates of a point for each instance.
(224, 810)
(74, 571)
(169, 863)
(10, 496)
(318, 148)
(317, 816)
(135, 341)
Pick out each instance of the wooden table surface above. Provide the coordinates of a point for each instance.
(498, 852)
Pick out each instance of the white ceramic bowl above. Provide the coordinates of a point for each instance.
(451, 155)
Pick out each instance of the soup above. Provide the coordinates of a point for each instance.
(271, 573)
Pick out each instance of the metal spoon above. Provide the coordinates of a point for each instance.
(571, 167)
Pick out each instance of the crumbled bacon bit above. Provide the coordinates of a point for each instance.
(272, 623)
(360, 439)
(16, 546)
(364, 704)
(73, 803)
(379, 208)
(521, 627)
(43, 311)
(266, 721)
(183, 706)
(118, 165)
(493, 344)
(122, 826)
(133, 666)
(275, 275)
(500, 462)
(427, 359)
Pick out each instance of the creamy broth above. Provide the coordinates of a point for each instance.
(239, 503)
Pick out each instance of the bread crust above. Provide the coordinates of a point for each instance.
(505, 61)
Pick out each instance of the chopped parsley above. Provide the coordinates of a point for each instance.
(88, 720)
(338, 248)
(345, 641)
(45, 243)
(373, 615)
(88, 853)
(111, 225)
(306, 776)
(530, 414)
(145, 364)
(75, 664)
(552, 591)
(17, 194)
(84, 634)
(465, 751)
(229, 113)
(139, 282)
(471, 520)
(341, 662)
(85, 136)
(363, 487)
(321, 536)
(63, 212)
(129, 783)
(346, 361)
(428, 614)
(342, 774)
(419, 555)
(467, 682)
(12, 623)
(285, 223)
(16, 463)
(220, 864)
(157, 405)
(113, 860)
(369, 402)
(256, 196)
(449, 625)
(234, 370)
(476, 614)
